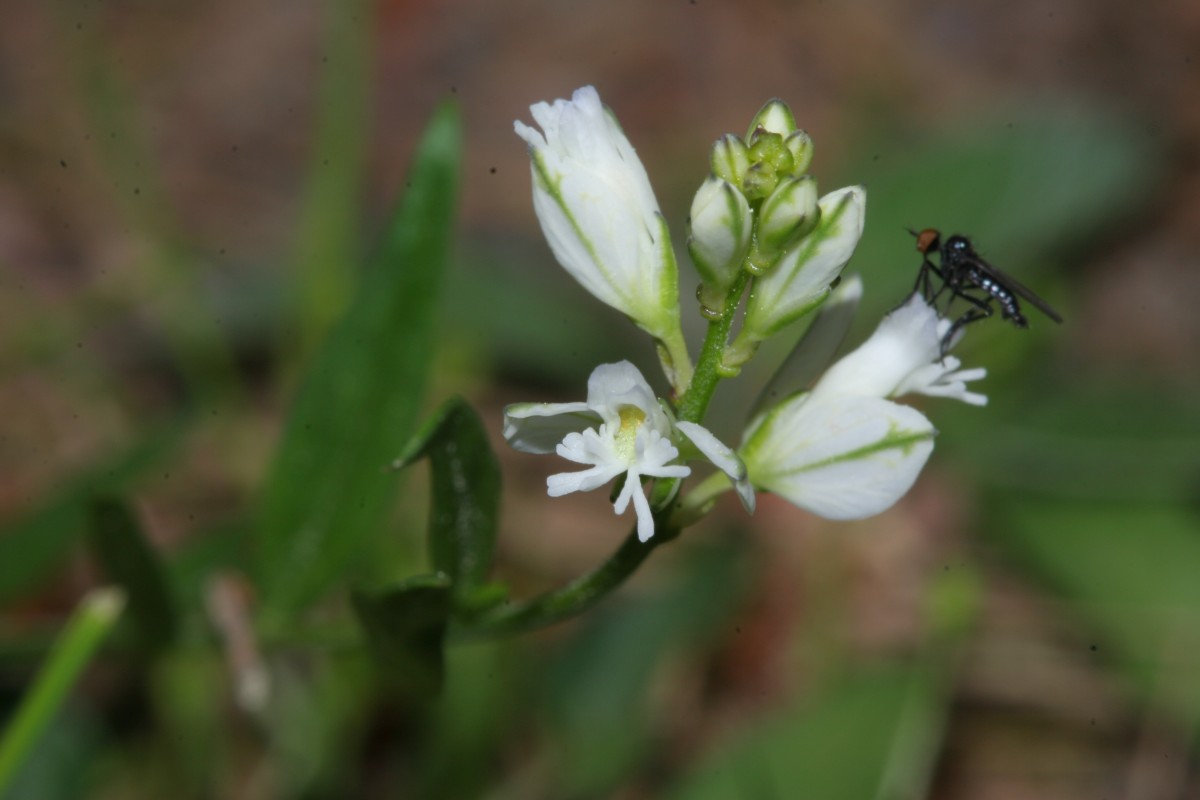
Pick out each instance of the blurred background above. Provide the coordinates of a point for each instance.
(189, 193)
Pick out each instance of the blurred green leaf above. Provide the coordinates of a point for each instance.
(118, 543)
(328, 490)
(58, 768)
(866, 736)
(328, 232)
(33, 544)
(405, 627)
(1131, 571)
(598, 686)
(486, 691)
(465, 494)
(1082, 438)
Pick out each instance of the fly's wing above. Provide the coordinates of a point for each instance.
(1016, 287)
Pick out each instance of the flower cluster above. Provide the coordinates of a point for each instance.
(763, 238)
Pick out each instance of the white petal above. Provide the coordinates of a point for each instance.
(906, 340)
(621, 384)
(632, 490)
(723, 457)
(645, 517)
(539, 427)
(654, 454)
(583, 481)
(597, 209)
(844, 458)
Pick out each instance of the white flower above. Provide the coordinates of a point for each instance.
(903, 356)
(841, 458)
(621, 429)
(598, 212)
(843, 450)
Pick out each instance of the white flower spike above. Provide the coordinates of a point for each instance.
(621, 429)
(843, 450)
(598, 213)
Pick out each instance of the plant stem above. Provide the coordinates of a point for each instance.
(572, 599)
(695, 400)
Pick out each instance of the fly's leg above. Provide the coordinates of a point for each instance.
(982, 310)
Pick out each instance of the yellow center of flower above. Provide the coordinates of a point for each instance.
(625, 438)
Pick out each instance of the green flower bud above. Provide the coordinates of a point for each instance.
(730, 159)
(770, 149)
(774, 117)
(760, 180)
(788, 214)
(800, 145)
(800, 279)
(719, 233)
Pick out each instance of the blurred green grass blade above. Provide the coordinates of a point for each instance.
(848, 743)
(129, 561)
(85, 631)
(31, 545)
(485, 693)
(405, 628)
(597, 688)
(465, 494)
(329, 490)
(327, 246)
(1131, 571)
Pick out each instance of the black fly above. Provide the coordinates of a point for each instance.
(977, 282)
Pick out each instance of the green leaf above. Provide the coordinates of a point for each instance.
(328, 490)
(465, 494)
(1130, 571)
(86, 630)
(328, 239)
(34, 543)
(857, 740)
(405, 628)
(597, 687)
(119, 545)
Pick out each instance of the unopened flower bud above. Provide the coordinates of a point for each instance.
(800, 145)
(800, 279)
(769, 149)
(774, 117)
(719, 233)
(789, 213)
(730, 159)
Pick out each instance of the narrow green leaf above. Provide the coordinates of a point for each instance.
(465, 493)
(328, 489)
(405, 628)
(86, 630)
(328, 239)
(31, 545)
(118, 543)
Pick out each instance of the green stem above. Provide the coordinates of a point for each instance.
(87, 628)
(695, 400)
(572, 599)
